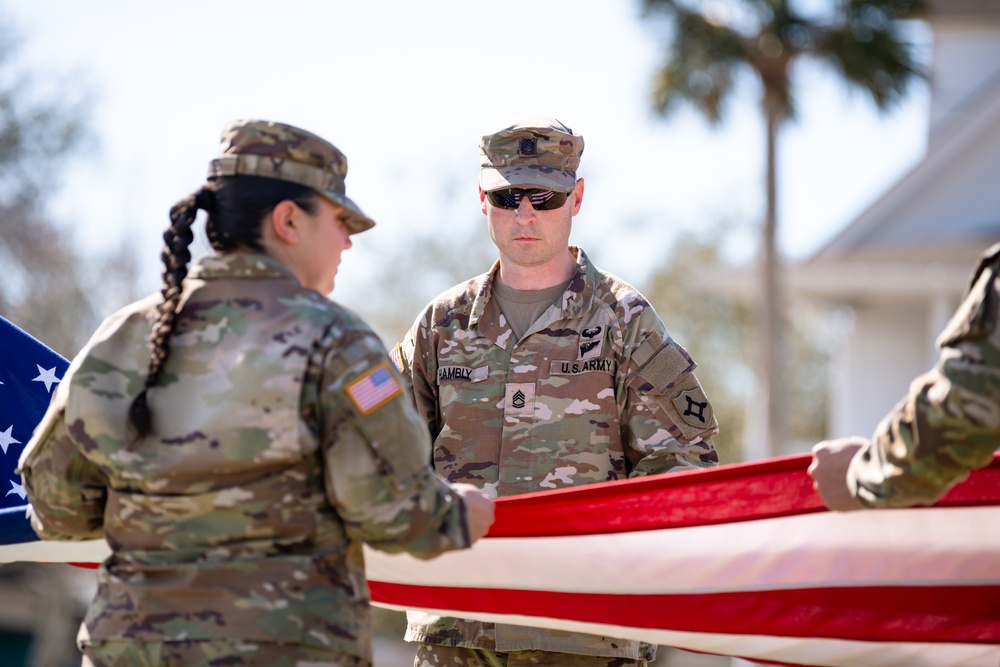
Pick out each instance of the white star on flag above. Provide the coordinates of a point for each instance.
(6, 439)
(18, 489)
(48, 376)
(29, 372)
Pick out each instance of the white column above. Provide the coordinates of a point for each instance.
(840, 382)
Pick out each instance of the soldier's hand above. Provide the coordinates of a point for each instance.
(479, 508)
(831, 459)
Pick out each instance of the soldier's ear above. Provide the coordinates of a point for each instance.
(482, 200)
(577, 196)
(283, 221)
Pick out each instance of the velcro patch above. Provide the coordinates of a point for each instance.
(373, 389)
(666, 366)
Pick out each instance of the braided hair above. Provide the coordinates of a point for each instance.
(236, 207)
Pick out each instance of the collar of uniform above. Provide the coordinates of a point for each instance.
(580, 292)
(239, 265)
(576, 299)
(484, 291)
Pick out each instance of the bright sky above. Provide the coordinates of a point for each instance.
(406, 89)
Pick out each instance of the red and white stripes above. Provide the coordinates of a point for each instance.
(740, 560)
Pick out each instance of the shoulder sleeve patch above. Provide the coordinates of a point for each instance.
(373, 389)
(666, 385)
(396, 355)
(693, 407)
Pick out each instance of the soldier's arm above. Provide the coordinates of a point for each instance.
(667, 421)
(66, 491)
(377, 456)
(949, 423)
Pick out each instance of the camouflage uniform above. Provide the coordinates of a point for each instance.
(595, 390)
(949, 423)
(219, 652)
(282, 439)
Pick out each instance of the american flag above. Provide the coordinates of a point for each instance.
(740, 560)
(29, 373)
(373, 389)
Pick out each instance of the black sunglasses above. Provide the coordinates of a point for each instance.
(541, 200)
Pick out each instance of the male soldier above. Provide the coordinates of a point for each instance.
(545, 373)
(948, 425)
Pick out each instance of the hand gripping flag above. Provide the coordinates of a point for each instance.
(740, 560)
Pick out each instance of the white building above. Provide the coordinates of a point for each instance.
(903, 264)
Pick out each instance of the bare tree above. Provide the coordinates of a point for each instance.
(58, 293)
(50, 287)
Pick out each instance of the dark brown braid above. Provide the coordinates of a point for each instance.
(176, 255)
(236, 208)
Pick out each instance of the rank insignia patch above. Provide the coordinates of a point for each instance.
(519, 399)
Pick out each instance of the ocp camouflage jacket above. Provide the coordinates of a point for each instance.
(282, 440)
(949, 422)
(595, 390)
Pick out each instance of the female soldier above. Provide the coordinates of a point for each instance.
(236, 437)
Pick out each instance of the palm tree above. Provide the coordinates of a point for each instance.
(861, 39)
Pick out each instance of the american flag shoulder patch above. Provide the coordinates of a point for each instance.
(373, 389)
(396, 355)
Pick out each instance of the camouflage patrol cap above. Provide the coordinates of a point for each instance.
(535, 151)
(287, 153)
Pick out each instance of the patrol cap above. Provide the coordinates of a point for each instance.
(535, 151)
(287, 153)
